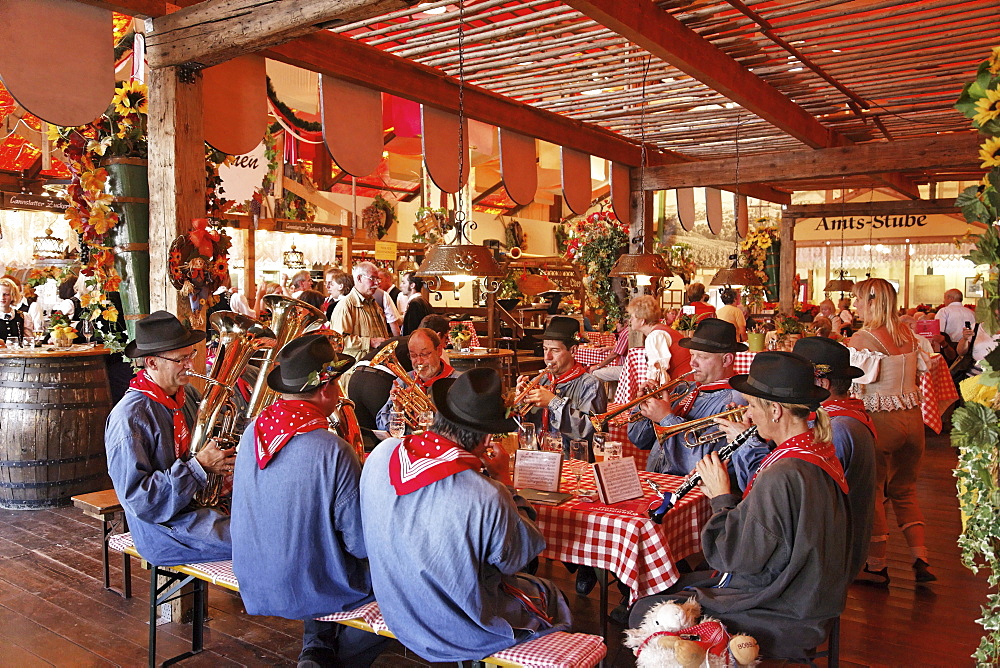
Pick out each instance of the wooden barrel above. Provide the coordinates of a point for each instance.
(53, 407)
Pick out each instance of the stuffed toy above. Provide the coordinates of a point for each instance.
(670, 636)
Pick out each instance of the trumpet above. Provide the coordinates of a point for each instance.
(670, 499)
(411, 397)
(695, 432)
(519, 406)
(600, 420)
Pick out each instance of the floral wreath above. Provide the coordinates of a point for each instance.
(199, 263)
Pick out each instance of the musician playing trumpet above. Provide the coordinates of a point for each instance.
(713, 347)
(568, 393)
(426, 350)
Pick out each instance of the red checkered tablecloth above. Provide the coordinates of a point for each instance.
(607, 339)
(621, 539)
(587, 355)
(632, 377)
(937, 391)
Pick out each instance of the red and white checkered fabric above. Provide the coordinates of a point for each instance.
(557, 650)
(606, 339)
(622, 538)
(368, 612)
(216, 572)
(618, 429)
(587, 355)
(937, 391)
(474, 343)
(120, 542)
(632, 377)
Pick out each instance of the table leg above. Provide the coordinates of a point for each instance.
(602, 582)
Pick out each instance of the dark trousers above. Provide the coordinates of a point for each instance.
(330, 644)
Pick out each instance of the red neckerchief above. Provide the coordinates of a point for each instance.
(282, 420)
(574, 372)
(711, 635)
(805, 448)
(848, 407)
(182, 435)
(684, 407)
(422, 459)
(446, 370)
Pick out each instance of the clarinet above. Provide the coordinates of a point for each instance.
(670, 499)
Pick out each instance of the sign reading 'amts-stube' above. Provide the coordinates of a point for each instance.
(886, 222)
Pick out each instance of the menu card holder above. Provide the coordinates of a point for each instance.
(537, 470)
(617, 480)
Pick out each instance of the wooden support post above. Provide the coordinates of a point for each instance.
(250, 265)
(786, 295)
(906, 275)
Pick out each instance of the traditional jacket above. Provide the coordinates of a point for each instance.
(155, 488)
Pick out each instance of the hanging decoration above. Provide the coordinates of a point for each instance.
(198, 264)
(378, 217)
(595, 242)
(762, 251)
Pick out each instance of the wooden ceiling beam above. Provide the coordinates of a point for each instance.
(952, 151)
(214, 31)
(643, 23)
(899, 183)
(926, 206)
(350, 60)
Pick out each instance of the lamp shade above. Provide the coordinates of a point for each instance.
(736, 276)
(640, 264)
(449, 260)
(839, 285)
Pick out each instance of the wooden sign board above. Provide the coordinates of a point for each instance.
(309, 227)
(385, 250)
(27, 202)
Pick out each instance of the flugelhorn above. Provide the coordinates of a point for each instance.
(218, 415)
(411, 397)
(290, 319)
(670, 499)
(695, 432)
(600, 420)
(519, 406)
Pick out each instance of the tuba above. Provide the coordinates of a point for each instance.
(411, 398)
(345, 423)
(290, 319)
(218, 415)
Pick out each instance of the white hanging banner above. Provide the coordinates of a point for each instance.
(244, 175)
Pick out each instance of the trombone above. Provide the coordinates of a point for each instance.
(600, 420)
(698, 432)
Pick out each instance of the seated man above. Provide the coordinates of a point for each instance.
(713, 349)
(298, 548)
(568, 394)
(148, 439)
(425, 350)
(781, 551)
(446, 542)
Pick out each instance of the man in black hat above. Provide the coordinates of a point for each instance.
(298, 547)
(568, 394)
(148, 439)
(853, 440)
(780, 552)
(713, 347)
(445, 542)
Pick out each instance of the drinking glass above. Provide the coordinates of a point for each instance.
(613, 450)
(13, 342)
(397, 424)
(552, 442)
(29, 342)
(600, 438)
(526, 437)
(425, 419)
(86, 328)
(578, 449)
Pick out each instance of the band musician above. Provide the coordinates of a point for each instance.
(568, 393)
(713, 347)
(426, 350)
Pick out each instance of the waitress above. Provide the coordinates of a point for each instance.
(12, 321)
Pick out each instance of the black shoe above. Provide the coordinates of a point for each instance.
(874, 578)
(620, 615)
(921, 571)
(586, 580)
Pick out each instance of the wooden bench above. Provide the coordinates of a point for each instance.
(555, 650)
(104, 506)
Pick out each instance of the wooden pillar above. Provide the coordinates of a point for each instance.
(906, 273)
(250, 264)
(785, 293)
(176, 174)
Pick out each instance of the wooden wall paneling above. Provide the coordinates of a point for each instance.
(518, 166)
(576, 184)
(235, 104)
(685, 207)
(713, 209)
(440, 142)
(621, 190)
(57, 59)
(352, 124)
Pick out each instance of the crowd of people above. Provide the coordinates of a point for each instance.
(798, 513)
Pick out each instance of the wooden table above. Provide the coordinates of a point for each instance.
(499, 359)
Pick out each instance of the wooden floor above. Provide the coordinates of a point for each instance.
(53, 610)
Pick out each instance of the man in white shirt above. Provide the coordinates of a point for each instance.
(954, 317)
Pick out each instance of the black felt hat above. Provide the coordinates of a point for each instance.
(783, 377)
(474, 401)
(832, 359)
(713, 335)
(563, 328)
(306, 363)
(161, 332)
